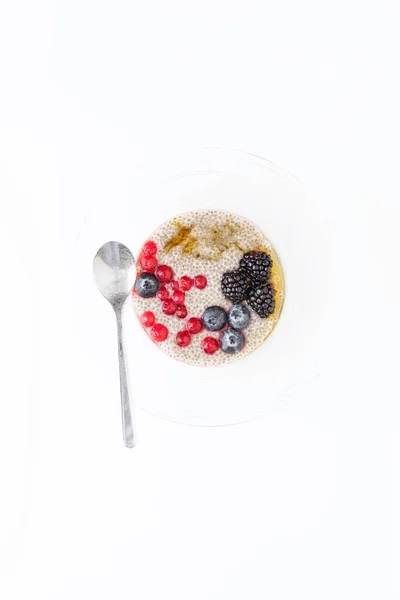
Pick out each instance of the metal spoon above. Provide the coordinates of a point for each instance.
(114, 272)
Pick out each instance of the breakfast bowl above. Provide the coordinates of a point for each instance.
(232, 283)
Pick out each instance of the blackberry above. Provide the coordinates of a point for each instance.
(234, 285)
(262, 299)
(257, 266)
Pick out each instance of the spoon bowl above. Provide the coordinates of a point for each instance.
(114, 272)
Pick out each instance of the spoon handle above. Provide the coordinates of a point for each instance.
(128, 423)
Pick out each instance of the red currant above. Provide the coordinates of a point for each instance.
(185, 283)
(159, 332)
(162, 293)
(183, 339)
(194, 325)
(164, 273)
(178, 297)
(150, 248)
(169, 307)
(210, 345)
(147, 319)
(174, 285)
(181, 311)
(200, 281)
(148, 263)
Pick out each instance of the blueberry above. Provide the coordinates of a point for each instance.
(214, 318)
(147, 285)
(239, 316)
(232, 341)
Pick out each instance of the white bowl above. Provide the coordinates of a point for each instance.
(291, 219)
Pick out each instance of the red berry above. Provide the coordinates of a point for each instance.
(159, 332)
(169, 307)
(164, 273)
(148, 263)
(186, 283)
(150, 248)
(200, 281)
(194, 325)
(162, 293)
(183, 338)
(174, 285)
(147, 319)
(178, 297)
(210, 345)
(181, 311)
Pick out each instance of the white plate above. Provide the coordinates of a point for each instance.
(290, 218)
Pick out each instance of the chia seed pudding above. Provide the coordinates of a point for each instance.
(209, 287)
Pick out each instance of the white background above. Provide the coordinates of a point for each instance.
(303, 503)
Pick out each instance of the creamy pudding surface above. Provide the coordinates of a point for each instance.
(209, 287)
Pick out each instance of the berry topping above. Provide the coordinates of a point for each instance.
(183, 339)
(149, 248)
(232, 341)
(174, 285)
(214, 318)
(186, 283)
(257, 266)
(148, 263)
(147, 319)
(178, 297)
(169, 307)
(147, 285)
(200, 281)
(261, 299)
(238, 316)
(164, 273)
(159, 332)
(210, 345)
(163, 293)
(234, 285)
(194, 325)
(181, 311)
